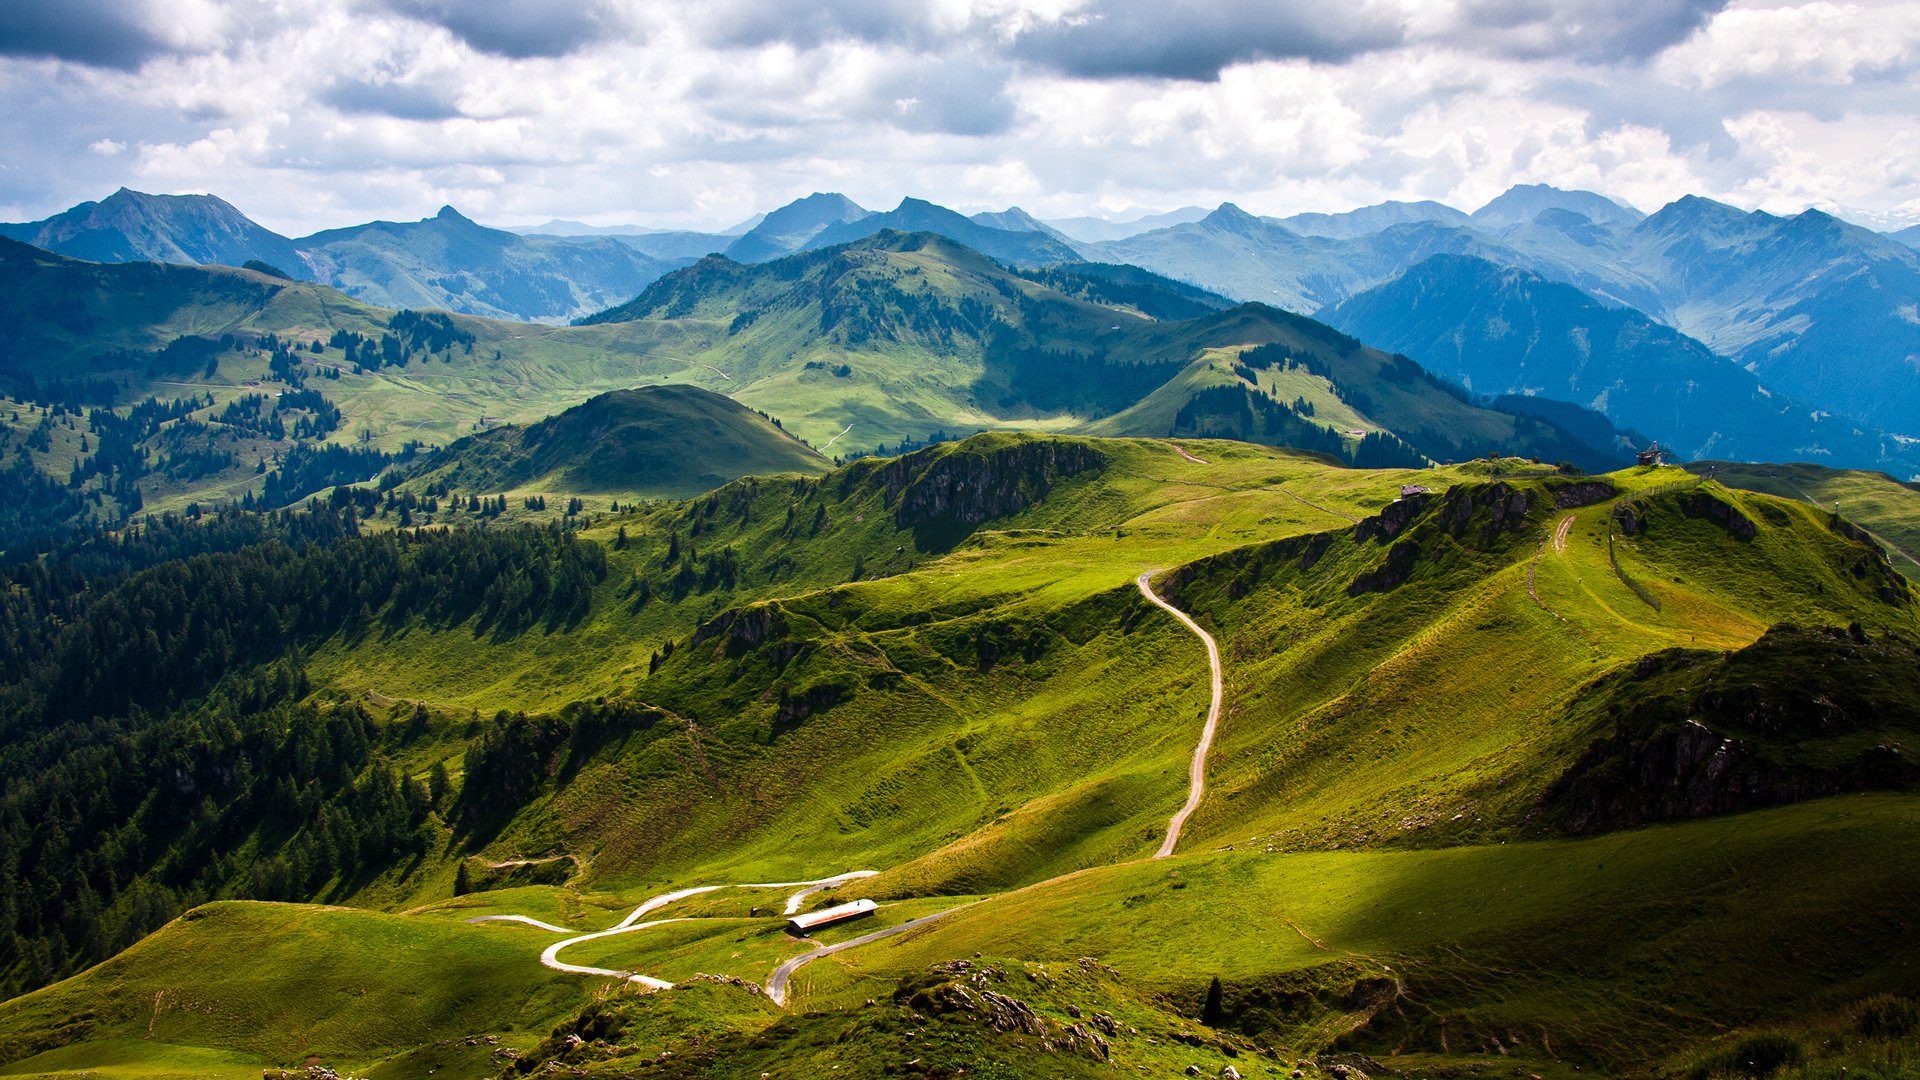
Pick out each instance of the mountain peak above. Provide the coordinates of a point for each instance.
(1230, 216)
(1522, 203)
(448, 213)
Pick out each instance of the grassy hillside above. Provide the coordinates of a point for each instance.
(937, 667)
(893, 341)
(654, 442)
(1885, 507)
(1617, 953)
(948, 333)
(230, 987)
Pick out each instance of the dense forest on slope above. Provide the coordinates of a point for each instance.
(159, 736)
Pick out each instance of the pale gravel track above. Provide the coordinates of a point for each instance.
(1197, 769)
(551, 956)
(779, 981)
(777, 985)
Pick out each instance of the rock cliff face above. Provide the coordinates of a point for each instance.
(740, 629)
(1798, 714)
(1701, 504)
(944, 497)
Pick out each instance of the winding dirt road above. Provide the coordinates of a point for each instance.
(782, 976)
(777, 984)
(551, 956)
(1197, 769)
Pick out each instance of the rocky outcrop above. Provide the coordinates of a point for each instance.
(1704, 505)
(1390, 574)
(1393, 518)
(1871, 565)
(1799, 714)
(1484, 510)
(741, 629)
(1583, 493)
(962, 987)
(942, 496)
(797, 705)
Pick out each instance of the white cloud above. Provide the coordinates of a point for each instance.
(312, 113)
(1824, 44)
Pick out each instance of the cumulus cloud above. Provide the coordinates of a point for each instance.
(1821, 45)
(104, 33)
(681, 113)
(518, 28)
(1586, 31)
(1195, 39)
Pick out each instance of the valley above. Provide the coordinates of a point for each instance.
(980, 702)
(1184, 685)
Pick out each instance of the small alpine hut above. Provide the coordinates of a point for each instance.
(1652, 455)
(802, 925)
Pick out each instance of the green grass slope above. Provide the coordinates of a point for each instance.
(1886, 507)
(937, 667)
(1614, 953)
(652, 442)
(276, 984)
(894, 340)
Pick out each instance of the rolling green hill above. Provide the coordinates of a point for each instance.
(938, 667)
(1887, 508)
(149, 387)
(947, 333)
(654, 442)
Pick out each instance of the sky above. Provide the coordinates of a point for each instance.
(308, 114)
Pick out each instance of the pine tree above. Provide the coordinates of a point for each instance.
(463, 882)
(1211, 1014)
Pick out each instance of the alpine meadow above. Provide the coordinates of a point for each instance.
(1425, 616)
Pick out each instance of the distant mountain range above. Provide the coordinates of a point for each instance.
(129, 226)
(898, 338)
(450, 262)
(446, 261)
(1093, 230)
(1819, 309)
(1821, 312)
(1501, 331)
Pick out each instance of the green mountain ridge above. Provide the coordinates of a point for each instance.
(938, 667)
(652, 442)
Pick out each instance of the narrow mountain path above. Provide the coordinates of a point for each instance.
(1349, 518)
(1196, 780)
(777, 984)
(1182, 451)
(1197, 769)
(631, 924)
(836, 438)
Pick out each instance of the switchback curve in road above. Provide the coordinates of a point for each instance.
(550, 957)
(777, 984)
(1197, 769)
(1196, 779)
